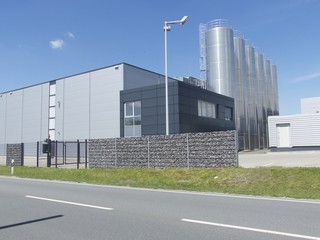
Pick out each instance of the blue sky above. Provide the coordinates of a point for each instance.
(43, 40)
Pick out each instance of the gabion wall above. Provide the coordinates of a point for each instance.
(194, 150)
(15, 151)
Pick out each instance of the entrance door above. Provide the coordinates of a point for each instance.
(283, 134)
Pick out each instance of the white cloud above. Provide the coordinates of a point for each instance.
(56, 44)
(307, 77)
(70, 34)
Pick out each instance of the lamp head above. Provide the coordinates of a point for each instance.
(183, 20)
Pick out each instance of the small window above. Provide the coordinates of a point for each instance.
(206, 109)
(228, 113)
(52, 123)
(52, 101)
(52, 134)
(52, 112)
(52, 89)
(137, 108)
(128, 109)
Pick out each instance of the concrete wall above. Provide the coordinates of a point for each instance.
(204, 150)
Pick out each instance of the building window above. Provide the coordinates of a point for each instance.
(132, 119)
(52, 110)
(228, 113)
(206, 109)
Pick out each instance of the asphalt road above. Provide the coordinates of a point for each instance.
(56, 210)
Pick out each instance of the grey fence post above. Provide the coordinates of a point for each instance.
(22, 154)
(148, 153)
(56, 153)
(115, 152)
(64, 153)
(236, 147)
(86, 154)
(78, 154)
(38, 149)
(188, 161)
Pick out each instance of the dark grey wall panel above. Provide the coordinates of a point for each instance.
(183, 109)
(137, 77)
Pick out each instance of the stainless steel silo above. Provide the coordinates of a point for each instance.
(237, 70)
(220, 68)
(268, 87)
(241, 88)
(268, 97)
(261, 102)
(252, 97)
(274, 80)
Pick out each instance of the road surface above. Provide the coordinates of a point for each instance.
(265, 158)
(37, 210)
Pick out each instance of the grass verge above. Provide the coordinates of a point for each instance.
(277, 182)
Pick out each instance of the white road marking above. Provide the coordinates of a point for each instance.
(251, 229)
(70, 203)
(222, 195)
(268, 164)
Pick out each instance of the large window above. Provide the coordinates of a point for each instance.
(132, 119)
(206, 109)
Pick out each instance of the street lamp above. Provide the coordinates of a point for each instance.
(166, 29)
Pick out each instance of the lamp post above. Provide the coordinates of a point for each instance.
(166, 29)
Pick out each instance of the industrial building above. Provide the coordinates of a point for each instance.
(296, 132)
(236, 69)
(237, 90)
(116, 101)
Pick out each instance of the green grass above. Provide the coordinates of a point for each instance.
(277, 182)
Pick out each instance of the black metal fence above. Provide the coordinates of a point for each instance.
(66, 153)
(73, 154)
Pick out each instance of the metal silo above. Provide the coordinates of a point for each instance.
(268, 88)
(261, 102)
(252, 97)
(241, 88)
(220, 68)
(268, 98)
(237, 70)
(274, 80)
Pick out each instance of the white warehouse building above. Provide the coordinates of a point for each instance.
(295, 132)
(121, 100)
(82, 106)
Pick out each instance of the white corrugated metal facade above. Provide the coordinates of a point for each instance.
(301, 130)
(82, 106)
(304, 130)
